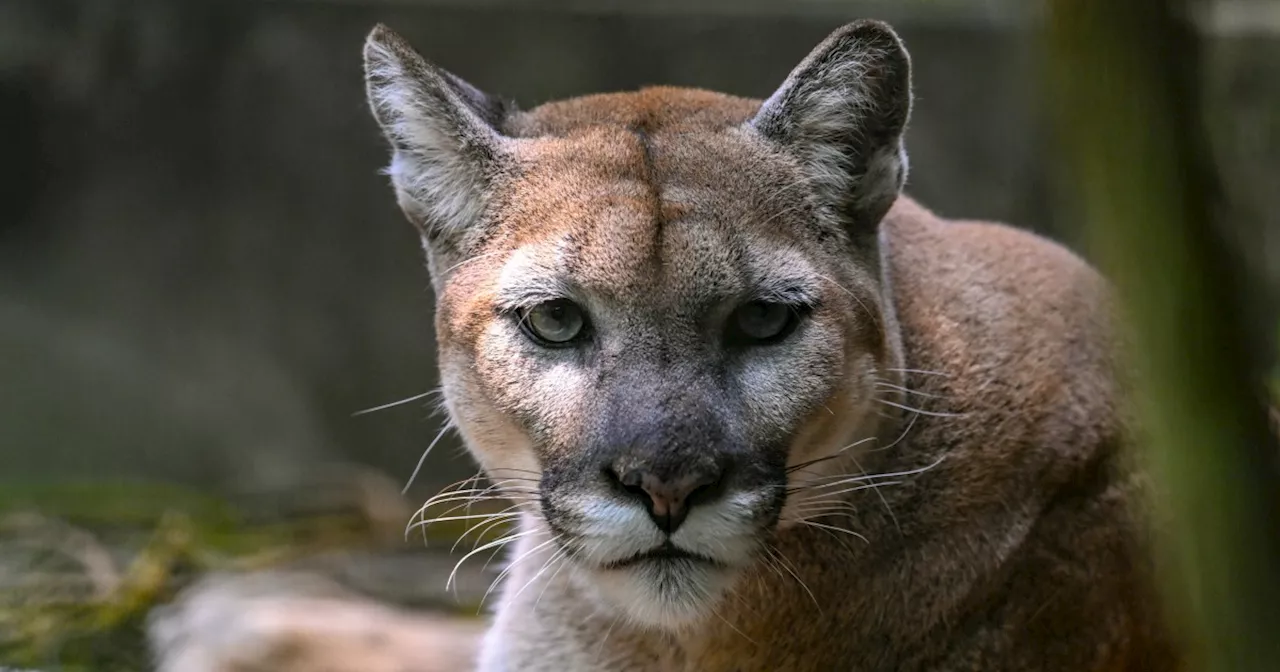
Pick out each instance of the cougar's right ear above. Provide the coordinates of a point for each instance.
(446, 147)
(842, 112)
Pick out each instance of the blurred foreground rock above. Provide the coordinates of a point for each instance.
(385, 605)
(280, 622)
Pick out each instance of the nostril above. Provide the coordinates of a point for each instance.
(667, 499)
(631, 482)
(703, 491)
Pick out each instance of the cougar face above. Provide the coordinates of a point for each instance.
(655, 319)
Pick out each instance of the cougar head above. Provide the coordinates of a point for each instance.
(654, 308)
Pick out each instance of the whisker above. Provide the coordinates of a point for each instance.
(825, 506)
(463, 483)
(545, 565)
(865, 486)
(782, 563)
(561, 557)
(457, 493)
(393, 404)
(874, 317)
(448, 425)
(466, 504)
(483, 517)
(907, 390)
(498, 543)
(511, 566)
(489, 561)
(467, 497)
(485, 490)
(820, 498)
(468, 500)
(518, 471)
(491, 492)
(772, 563)
(469, 516)
(838, 539)
(921, 372)
(886, 474)
(938, 414)
(832, 456)
(612, 622)
(831, 528)
(732, 626)
(484, 527)
(447, 516)
(911, 423)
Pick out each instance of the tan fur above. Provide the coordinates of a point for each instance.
(974, 356)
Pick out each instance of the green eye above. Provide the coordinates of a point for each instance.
(553, 323)
(762, 322)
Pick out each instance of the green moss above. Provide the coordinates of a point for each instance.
(105, 634)
(95, 504)
(176, 535)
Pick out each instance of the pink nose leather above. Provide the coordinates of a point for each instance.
(668, 499)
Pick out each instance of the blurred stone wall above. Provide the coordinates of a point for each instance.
(202, 275)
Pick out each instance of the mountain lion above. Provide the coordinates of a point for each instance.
(756, 409)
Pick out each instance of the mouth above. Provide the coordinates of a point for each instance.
(666, 553)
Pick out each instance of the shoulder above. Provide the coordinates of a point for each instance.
(991, 274)
(1021, 325)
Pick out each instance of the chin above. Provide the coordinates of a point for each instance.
(662, 593)
(654, 580)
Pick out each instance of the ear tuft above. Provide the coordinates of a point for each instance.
(842, 112)
(446, 148)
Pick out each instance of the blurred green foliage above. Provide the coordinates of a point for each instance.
(1138, 158)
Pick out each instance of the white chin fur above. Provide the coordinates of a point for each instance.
(611, 531)
(666, 595)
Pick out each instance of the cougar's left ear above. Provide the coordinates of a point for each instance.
(842, 112)
(446, 147)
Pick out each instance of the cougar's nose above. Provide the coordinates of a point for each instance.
(668, 498)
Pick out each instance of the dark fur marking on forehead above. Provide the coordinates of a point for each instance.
(654, 185)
